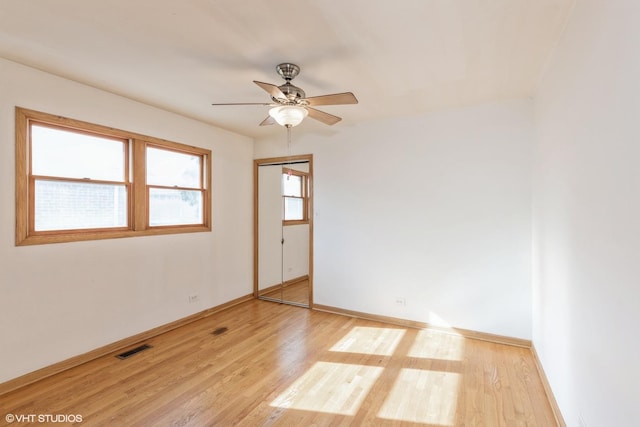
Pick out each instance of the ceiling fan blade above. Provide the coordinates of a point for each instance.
(326, 118)
(334, 99)
(272, 90)
(268, 121)
(244, 103)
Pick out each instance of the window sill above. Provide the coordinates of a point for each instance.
(295, 222)
(43, 239)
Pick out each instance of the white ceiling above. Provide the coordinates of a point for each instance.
(402, 57)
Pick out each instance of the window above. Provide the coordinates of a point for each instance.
(174, 183)
(295, 196)
(80, 181)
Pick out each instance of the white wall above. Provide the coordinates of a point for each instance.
(61, 300)
(586, 224)
(434, 209)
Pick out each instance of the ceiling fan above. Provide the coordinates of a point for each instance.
(290, 105)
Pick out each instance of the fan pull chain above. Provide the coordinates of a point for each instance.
(289, 141)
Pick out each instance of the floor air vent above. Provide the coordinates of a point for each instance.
(220, 331)
(133, 351)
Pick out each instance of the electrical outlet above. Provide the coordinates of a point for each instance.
(401, 301)
(193, 298)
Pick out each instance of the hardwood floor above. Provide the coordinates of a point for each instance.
(283, 365)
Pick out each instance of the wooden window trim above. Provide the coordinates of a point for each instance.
(135, 180)
(305, 197)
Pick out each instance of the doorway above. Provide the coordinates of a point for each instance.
(283, 230)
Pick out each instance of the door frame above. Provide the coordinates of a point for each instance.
(281, 160)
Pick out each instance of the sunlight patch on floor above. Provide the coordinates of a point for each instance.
(368, 340)
(422, 396)
(335, 388)
(437, 345)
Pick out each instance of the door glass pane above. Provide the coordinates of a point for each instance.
(172, 168)
(68, 154)
(175, 207)
(63, 205)
(293, 208)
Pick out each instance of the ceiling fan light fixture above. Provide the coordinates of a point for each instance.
(288, 115)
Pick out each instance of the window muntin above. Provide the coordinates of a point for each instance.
(294, 196)
(81, 181)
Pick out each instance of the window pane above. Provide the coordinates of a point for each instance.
(62, 205)
(175, 207)
(291, 185)
(172, 168)
(293, 209)
(68, 154)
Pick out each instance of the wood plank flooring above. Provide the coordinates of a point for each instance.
(290, 366)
